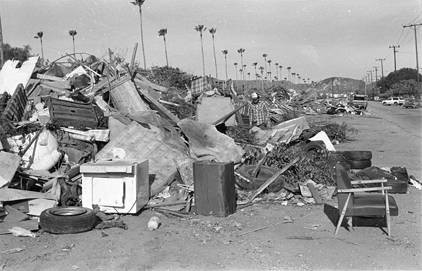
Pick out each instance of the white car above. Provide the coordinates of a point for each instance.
(393, 101)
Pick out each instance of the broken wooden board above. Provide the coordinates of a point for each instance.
(11, 194)
(14, 215)
(126, 98)
(72, 114)
(157, 105)
(212, 109)
(142, 81)
(31, 224)
(9, 163)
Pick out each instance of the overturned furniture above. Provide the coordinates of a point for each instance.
(363, 204)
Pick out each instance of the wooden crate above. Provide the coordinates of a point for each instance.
(214, 188)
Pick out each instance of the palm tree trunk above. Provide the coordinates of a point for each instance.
(1, 46)
(241, 63)
(203, 59)
(142, 37)
(256, 77)
(73, 41)
(225, 60)
(265, 65)
(42, 50)
(215, 57)
(165, 50)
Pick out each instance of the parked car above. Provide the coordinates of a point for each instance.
(410, 103)
(393, 101)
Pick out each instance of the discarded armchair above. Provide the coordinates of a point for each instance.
(351, 204)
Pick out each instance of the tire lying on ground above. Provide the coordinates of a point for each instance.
(67, 220)
(357, 155)
(255, 182)
(359, 164)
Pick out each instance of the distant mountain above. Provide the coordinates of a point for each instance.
(340, 85)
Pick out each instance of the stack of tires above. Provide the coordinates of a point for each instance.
(354, 159)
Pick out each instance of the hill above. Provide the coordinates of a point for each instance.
(340, 85)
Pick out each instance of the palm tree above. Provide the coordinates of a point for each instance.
(254, 65)
(235, 68)
(163, 32)
(288, 72)
(276, 69)
(201, 28)
(294, 78)
(241, 51)
(212, 32)
(244, 70)
(261, 69)
(39, 36)
(265, 61)
(281, 71)
(249, 76)
(73, 33)
(139, 3)
(225, 52)
(269, 65)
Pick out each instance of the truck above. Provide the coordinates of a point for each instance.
(359, 101)
(393, 101)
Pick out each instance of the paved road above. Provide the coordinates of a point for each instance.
(410, 120)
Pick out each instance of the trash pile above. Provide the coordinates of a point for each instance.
(85, 141)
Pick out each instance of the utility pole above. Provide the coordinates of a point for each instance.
(416, 47)
(382, 66)
(376, 74)
(1, 46)
(394, 53)
(370, 78)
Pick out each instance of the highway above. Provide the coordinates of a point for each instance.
(410, 120)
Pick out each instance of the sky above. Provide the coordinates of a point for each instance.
(317, 38)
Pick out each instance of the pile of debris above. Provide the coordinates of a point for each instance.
(82, 138)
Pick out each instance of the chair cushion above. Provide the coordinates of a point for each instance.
(372, 205)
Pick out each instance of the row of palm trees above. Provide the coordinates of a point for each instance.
(243, 68)
(39, 35)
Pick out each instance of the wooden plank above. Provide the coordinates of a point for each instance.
(273, 178)
(369, 189)
(368, 181)
(132, 62)
(228, 115)
(315, 193)
(146, 83)
(49, 77)
(157, 104)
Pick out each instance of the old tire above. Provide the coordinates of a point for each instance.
(359, 164)
(67, 220)
(255, 182)
(357, 155)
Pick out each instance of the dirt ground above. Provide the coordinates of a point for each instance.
(256, 237)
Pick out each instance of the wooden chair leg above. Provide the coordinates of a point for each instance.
(350, 222)
(387, 213)
(343, 212)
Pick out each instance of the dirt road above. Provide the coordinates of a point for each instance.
(258, 237)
